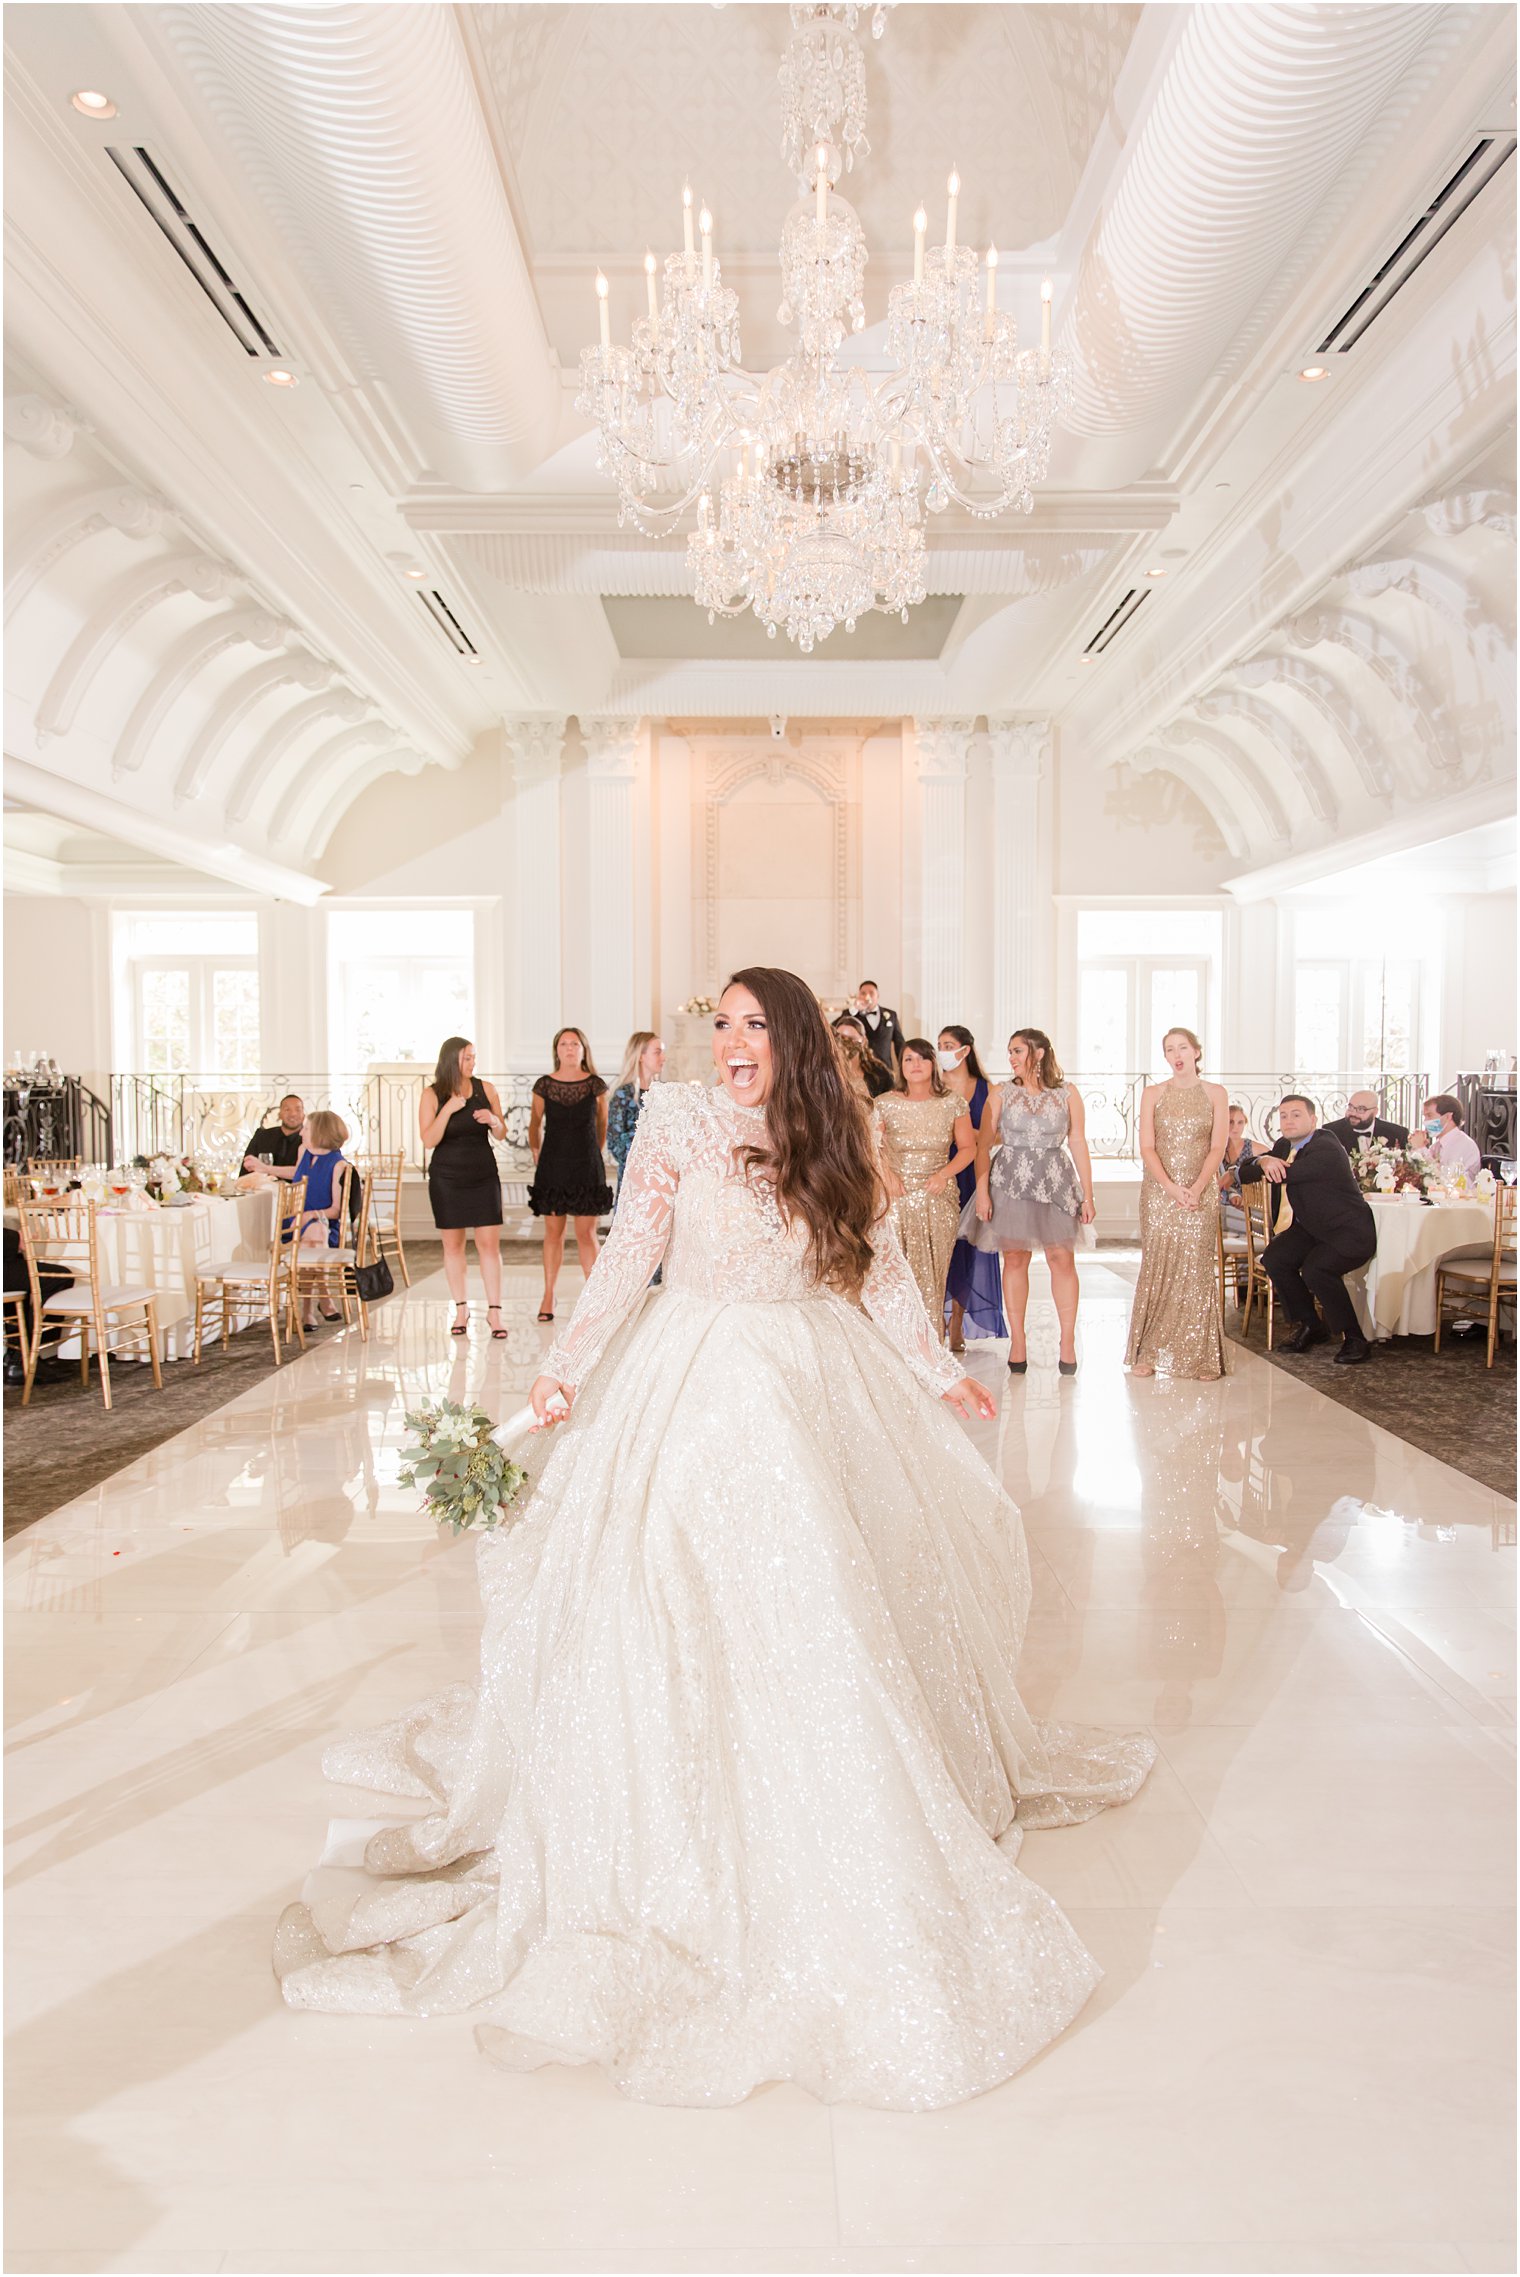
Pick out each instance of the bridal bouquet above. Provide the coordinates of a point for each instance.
(458, 1458)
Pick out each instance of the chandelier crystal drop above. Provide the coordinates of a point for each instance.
(810, 481)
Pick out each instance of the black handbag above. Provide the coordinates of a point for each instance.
(372, 1282)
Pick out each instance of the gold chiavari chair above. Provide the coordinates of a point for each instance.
(12, 1186)
(65, 1235)
(270, 1281)
(380, 1176)
(330, 1272)
(1256, 1202)
(1481, 1284)
(53, 1169)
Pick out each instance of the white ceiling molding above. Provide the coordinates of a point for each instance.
(317, 832)
(798, 690)
(1472, 509)
(228, 713)
(174, 842)
(189, 656)
(1428, 717)
(1259, 108)
(1232, 708)
(45, 429)
(1465, 810)
(1355, 737)
(127, 603)
(34, 554)
(360, 130)
(627, 566)
(1218, 797)
(260, 768)
(1251, 787)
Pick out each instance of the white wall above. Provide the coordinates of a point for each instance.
(58, 984)
(1478, 982)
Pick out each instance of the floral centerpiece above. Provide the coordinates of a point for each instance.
(701, 1006)
(1384, 1169)
(458, 1457)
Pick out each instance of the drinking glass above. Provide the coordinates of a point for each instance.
(1509, 1171)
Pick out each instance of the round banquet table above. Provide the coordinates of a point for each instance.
(1396, 1296)
(169, 1247)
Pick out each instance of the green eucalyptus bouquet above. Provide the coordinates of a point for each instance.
(456, 1456)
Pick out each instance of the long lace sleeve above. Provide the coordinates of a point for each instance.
(622, 1273)
(895, 1302)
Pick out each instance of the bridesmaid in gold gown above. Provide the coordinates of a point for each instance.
(915, 1127)
(1176, 1327)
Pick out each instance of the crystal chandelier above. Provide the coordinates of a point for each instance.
(810, 481)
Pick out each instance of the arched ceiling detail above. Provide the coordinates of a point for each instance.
(154, 670)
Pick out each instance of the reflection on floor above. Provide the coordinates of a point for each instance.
(1297, 2060)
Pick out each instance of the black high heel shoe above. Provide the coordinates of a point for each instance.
(461, 1327)
(1066, 1367)
(498, 1333)
(1017, 1367)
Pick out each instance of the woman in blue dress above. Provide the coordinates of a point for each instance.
(974, 1288)
(322, 1167)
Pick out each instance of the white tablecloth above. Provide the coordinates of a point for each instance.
(1397, 1297)
(167, 1248)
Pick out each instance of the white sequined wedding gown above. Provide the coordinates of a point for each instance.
(738, 1793)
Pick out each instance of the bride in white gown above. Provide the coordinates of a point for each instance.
(739, 1792)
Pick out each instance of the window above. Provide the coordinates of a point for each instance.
(191, 991)
(1355, 1014)
(1140, 972)
(401, 980)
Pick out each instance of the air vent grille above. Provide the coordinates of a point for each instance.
(146, 179)
(1448, 205)
(1122, 613)
(446, 621)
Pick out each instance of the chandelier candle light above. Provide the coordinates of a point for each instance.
(807, 478)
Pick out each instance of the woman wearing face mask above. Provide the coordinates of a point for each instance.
(915, 1126)
(1033, 1188)
(729, 1803)
(974, 1283)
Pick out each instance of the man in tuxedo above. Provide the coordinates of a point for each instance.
(883, 1029)
(1361, 1125)
(1332, 1233)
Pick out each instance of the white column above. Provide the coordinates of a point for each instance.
(612, 754)
(1022, 907)
(940, 752)
(532, 748)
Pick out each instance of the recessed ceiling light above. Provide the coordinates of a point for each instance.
(93, 104)
(279, 377)
(1315, 372)
(1155, 573)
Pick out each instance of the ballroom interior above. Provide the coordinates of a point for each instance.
(357, 694)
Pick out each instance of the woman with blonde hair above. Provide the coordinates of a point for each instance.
(321, 1166)
(739, 1795)
(567, 1132)
(459, 1117)
(1033, 1188)
(1175, 1324)
(643, 1058)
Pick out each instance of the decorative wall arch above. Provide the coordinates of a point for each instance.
(1207, 787)
(1255, 795)
(1376, 651)
(1333, 704)
(312, 791)
(38, 552)
(390, 762)
(1286, 740)
(826, 774)
(223, 720)
(258, 769)
(1463, 510)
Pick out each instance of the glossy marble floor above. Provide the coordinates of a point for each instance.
(1299, 2059)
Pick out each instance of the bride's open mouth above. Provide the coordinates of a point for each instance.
(743, 1074)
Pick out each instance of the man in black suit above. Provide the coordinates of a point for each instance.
(278, 1145)
(1332, 1233)
(883, 1028)
(1361, 1125)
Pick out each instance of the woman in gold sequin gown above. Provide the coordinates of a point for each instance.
(738, 1791)
(1175, 1327)
(918, 1128)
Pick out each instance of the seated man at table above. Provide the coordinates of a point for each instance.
(277, 1146)
(1443, 1139)
(1361, 1125)
(1332, 1233)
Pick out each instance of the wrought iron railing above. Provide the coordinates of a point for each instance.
(54, 1120)
(214, 1116)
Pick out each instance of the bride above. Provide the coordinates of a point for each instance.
(738, 1795)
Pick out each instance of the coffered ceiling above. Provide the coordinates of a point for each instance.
(233, 605)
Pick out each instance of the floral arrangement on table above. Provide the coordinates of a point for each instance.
(1384, 1169)
(169, 1174)
(702, 1007)
(456, 1456)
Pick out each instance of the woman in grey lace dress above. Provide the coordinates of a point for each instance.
(1033, 1188)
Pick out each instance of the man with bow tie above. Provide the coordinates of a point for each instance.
(883, 1028)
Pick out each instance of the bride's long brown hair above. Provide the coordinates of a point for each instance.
(819, 1151)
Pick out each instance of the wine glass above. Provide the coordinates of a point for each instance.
(1509, 1171)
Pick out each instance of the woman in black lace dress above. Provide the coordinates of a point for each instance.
(567, 1133)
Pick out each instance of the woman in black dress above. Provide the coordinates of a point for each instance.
(567, 1133)
(460, 1116)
